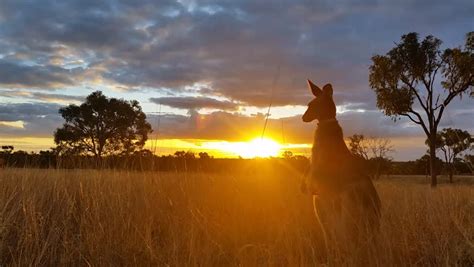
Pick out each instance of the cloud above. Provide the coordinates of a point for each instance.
(37, 119)
(17, 75)
(195, 103)
(40, 96)
(228, 126)
(246, 50)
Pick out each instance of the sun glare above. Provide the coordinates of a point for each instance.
(258, 147)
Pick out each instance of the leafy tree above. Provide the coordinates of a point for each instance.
(405, 81)
(452, 142)
(204, 155)
(423, 165)
(180, 154)
(102, 126)
(185, 155)
(7, 149)
(469, 160)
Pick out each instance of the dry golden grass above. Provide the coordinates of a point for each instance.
(104, 218)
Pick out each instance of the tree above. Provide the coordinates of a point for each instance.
(185, 155)
(7, 149)
(102, 126)
(204, 156)
(357, 147)
(373, 150)
(452, 142)
(287, 154)
(423, 165)
(469, 160)
(406, 83)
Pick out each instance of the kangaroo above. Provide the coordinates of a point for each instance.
(342, 192)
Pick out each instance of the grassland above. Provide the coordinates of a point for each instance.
(105, 218)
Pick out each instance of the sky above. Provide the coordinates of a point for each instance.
(205, 72)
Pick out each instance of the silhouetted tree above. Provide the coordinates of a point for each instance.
(423, 165)
(7, 149)
(179, 154)
(287, 154)
(373, 150)
(469, 160)
(407, 74)
(143, 153)
(189, 155)
(204, 155)
(102, 126)
(185, 155)
(452, 142)
(357, 147)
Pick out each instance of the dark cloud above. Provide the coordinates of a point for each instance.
(39, 96)
(26, 111)
(38, 119)
(195, 103)
(17, 75)
(236, 46)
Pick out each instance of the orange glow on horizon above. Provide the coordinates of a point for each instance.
(258, 147)
(253, 148)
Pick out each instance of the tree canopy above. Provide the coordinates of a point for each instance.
(407, 75)
(407, 83)
(102, 126)
(452, 142)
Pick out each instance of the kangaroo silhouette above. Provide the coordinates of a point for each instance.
(342, 192)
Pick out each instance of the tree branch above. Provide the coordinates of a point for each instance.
(411, 118)
(452, 93)
(421, 122)
(434, 75)
(410, 85)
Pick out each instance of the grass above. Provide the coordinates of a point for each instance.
(104, 218)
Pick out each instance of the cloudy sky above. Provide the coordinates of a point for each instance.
(206, 71)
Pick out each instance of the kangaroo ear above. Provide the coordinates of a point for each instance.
(314, 88)
(327, 89)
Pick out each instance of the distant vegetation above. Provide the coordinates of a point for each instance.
(144, 160)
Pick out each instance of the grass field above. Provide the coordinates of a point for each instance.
(111, 218)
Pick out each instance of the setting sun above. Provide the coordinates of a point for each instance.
(258, 147)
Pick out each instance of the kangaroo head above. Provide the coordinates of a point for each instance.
(322, 107)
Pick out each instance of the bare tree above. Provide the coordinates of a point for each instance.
(376, 150)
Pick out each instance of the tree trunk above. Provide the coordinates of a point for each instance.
(434, 180)
(451, 171)
(377, 171)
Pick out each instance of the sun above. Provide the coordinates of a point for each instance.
(255, 148)
(259, 147)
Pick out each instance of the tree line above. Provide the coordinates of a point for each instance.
(145, 160)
